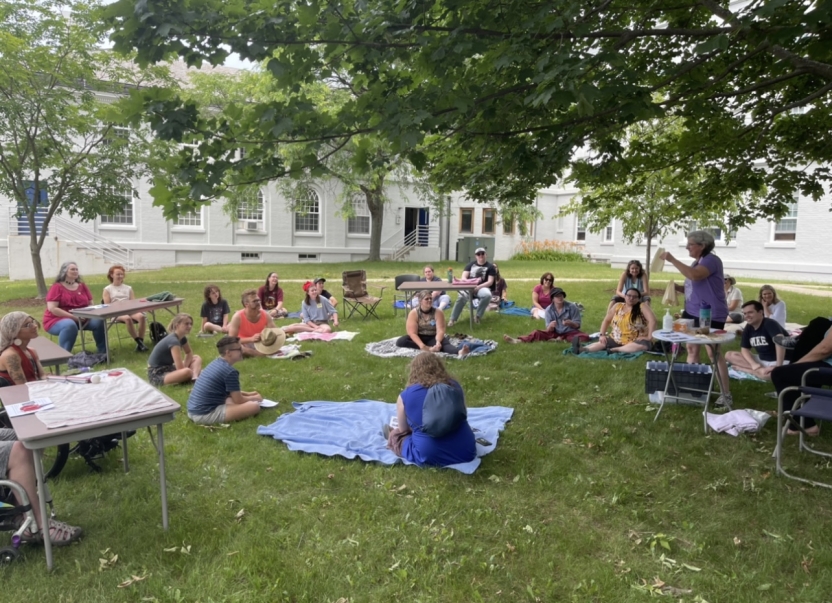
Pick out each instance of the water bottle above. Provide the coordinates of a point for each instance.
(705, 315)
(667, 322)
(450, 277)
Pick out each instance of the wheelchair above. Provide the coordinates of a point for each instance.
(10, 510)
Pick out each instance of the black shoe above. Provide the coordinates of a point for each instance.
(785, 341)
(140, 347)
(576, 345)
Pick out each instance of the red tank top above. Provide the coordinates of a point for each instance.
(250, 329)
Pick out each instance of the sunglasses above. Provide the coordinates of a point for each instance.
(548, 280)
(480, 253)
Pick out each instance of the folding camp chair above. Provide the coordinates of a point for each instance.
(404, 297)
(356, 297)
(813, 403)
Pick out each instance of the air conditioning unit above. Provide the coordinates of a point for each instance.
(252, 225)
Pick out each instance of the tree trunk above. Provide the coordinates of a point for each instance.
(35, 245)
(375, 203)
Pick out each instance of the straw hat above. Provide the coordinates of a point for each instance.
(271, 340)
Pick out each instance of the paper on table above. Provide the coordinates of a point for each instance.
(268, 403)
(27, 408)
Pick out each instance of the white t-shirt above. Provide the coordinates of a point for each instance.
(118, 293)
(734, 294)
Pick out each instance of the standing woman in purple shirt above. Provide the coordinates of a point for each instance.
(704, 283)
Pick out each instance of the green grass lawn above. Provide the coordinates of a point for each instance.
(585, 498)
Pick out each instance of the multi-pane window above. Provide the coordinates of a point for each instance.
(250, 214)
(308, 212)
(786, 228)
(115, 133)
(359, 221)
(192, 219)
(580, 235)
(488, 221)
(608, 233)
(125, 216)
(466, 220)
(508, 224)
(715, 231)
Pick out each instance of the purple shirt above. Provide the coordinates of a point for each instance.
(710, 290)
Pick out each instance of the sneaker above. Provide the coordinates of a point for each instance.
(576, 345)
(786, 341)
(724, 401)
(140, 346)
(771, 395)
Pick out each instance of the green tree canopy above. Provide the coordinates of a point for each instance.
(60, 140)
(503, 94)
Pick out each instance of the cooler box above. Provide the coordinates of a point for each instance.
(687, 377)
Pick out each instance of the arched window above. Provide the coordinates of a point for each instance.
(308, 212)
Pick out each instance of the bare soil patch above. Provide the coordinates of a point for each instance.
(26, 302)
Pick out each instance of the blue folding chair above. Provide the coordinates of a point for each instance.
(813, 403)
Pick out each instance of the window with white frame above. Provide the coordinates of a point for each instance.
(308, 212)
(359, 221)
(580, 234)
(716, 231)
(250, 213)
(125, 216)
(191, 219)
(608, 233)
(115, 133)
(785, 229)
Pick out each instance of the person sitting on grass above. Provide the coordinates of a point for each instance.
(733, 296)
(172, 359)
(319, 283)
(316, 311)
(499, 292)
(634, 277)
(216, 396)
(542, 295)
(426, 329)
(632, 324)
(248, 323)
(214, 311)
(563, 320)
(117, 291)
(773, 307)
(408, 440)
(758, 334)
(271, 297)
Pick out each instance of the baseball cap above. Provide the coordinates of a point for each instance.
(557, 291)
(320, 279)
(479, 250)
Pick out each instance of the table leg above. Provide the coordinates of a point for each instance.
(124, 452)
(44, 517)
(162, 479)
(471, 307)
(670, 358)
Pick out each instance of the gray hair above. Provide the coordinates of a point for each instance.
(704, 238)
(62, 272)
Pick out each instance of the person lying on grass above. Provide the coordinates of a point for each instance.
(632, 324)
(216, 396)
(563, 320)
(426, 329)
(172, 359)
(758, 334)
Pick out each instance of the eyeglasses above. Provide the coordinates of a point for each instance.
(548, 280)
(633, 296)
(480, 253)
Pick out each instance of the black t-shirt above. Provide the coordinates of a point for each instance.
(474, 270)
(215, 312)
(762, 339)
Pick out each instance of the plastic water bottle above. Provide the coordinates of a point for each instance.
(667, 322)
(450, 277)
(705, 315)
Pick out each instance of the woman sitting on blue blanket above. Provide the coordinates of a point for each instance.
(408, 440)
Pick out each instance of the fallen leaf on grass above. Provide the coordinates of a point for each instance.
(107, 562)
(401, 488)
(737, 541)
(806, 564)
(232, 553)
(494, 478)
(133, 579)
(185, 550)
(331, 476)
(239, 516)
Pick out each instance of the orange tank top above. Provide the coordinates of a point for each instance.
(250, 329)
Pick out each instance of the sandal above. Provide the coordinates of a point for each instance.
(60, 534)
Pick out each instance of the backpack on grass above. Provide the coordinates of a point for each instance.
(157, 331)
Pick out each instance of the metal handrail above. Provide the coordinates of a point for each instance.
(69, 231)
(411, 240)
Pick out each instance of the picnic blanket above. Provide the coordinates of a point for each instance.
(388, 348)
(353, 429)
(606, 355)
(345, 335)
(515, 311)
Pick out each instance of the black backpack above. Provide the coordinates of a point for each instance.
(157, 332)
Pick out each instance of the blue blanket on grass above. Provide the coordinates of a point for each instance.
(353, 429)
(602, 355)
(515, 311)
